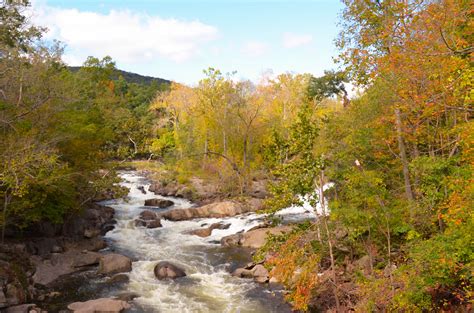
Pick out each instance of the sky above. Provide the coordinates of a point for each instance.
(178, 39)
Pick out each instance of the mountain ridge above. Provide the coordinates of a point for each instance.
(132, 77)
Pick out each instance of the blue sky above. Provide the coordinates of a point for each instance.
(178, 39)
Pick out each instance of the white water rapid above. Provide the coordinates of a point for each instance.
(208, 286)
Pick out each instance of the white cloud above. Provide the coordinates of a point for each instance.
(124, 35)
(254, 48)
(291, 40)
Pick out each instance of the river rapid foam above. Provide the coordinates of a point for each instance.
(208, 286)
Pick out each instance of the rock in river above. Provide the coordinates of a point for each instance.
(253, 238)
(99, 305)
(257, 271)
(148, 219)
(60, 264)
(114, 263)
(160, 203)
(164, 270)
(213, 210)
(206, 232)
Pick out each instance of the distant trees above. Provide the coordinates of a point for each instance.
(225, 123)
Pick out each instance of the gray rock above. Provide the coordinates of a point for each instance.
(216, 209)
(60, 264)
(114, 263)
(165, 270)
(206, 232)
(242, 272)
(91, 233)
(15, 294)
(258, 272)
(127, 296)
(231, 240)
(118, 278)
(253, 238)
(153, 224)
(3, 299)
(148, 219)
(148, 215)
(56, 249)
(160, 203)
(23, 308)
(106, 228)
(101, 305)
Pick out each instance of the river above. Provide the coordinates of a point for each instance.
(208, 286)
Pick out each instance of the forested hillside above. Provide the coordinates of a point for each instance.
(389, 169)
(131, 77)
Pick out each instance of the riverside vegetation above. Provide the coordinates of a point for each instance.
(390, 169)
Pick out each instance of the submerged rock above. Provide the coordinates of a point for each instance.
(127, 296)
(165, 270)
(114, 263)
(106, 228)
(99, 305)
(206, 232)
(160, 203)
(118, 278)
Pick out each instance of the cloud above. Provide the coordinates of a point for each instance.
(291, 40)
(254, 48)
(124, 35)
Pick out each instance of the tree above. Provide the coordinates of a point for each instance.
(329, 85)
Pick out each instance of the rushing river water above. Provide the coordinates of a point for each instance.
(208, 286)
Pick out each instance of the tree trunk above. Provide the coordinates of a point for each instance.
(5, 206)
(245, 153)
(404, 159)
(224, 139)
(389, 252)
(206, 147)
(324, 216)
(135, 149)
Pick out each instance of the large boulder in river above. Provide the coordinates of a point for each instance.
(254, 238)
(206, 232)
(148, 215)
(59, 264)
(165, 270)
(213, 210)
(159, 203)
(101, 305)
(256, 271)
(114, 263)
(148, 219)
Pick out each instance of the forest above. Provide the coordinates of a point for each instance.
(391, 167)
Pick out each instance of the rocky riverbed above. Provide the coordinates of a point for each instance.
(112, 259)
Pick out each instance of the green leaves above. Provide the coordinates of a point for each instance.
(297, 171)
(326, 86)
